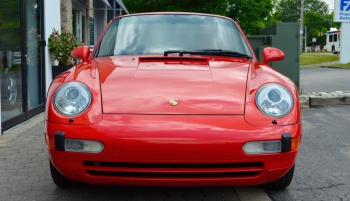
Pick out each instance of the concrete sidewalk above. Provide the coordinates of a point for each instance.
(25, 175)
(17, 130)
(24, 165)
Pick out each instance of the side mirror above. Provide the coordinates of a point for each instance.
(272, 54)
(81, 52)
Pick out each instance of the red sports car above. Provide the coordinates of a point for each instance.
(173, 99)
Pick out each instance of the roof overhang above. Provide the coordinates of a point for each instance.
(108, 5)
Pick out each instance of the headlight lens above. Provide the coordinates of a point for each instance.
(274, 100)
(72, 98)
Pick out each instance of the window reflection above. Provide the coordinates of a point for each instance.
(10, 60)
(33, 66)
(154, 34)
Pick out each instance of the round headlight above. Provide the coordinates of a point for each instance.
(274, 100)
(72, 98)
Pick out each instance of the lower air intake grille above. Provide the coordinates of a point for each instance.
(170, 170)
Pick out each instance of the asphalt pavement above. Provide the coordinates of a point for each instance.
(323, 162)
(324, 79)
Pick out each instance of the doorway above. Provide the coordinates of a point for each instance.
(21, 59)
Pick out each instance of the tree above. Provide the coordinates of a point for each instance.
(200, 6)
(10, 28)
(290, 9)
(317, 23)
(252, 15)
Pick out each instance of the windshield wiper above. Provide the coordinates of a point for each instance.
(218, 52)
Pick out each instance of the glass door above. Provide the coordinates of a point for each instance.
(11, 60)
(22, 80)
(33, 55)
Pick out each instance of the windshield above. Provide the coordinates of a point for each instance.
(155, 34)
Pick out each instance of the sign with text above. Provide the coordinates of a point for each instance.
(341, 10)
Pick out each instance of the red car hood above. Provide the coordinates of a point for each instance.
(147, 85)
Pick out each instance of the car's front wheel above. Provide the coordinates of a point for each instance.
(282, 182)
(59, 179)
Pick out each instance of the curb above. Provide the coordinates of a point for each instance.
(333, 67)
(319, 101)
(251, 193)
(324, 99)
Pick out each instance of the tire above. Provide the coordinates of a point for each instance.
(280, 183)
(59, 179)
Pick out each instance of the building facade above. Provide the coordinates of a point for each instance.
(25, 61)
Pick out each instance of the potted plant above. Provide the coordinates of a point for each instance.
(61, 46)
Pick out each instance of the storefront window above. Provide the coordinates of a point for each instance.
(22, 80)
(33, 37)
(10, 59)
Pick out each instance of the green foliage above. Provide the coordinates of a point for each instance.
(10, 28)
(290, 9)
(275, 12)
(318, 23)
(200, 6)
(316, 17)
(0, 19)
(252, 15)
(315, 22)
(61, 46)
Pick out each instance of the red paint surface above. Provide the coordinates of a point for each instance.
(172, 139)
(272, 54)
(209, 86)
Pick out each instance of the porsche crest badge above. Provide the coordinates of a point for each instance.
(173, 101)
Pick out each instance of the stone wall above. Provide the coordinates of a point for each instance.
(66, 15)
(89, 14)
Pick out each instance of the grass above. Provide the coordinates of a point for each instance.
(317, 58)
(322, 59)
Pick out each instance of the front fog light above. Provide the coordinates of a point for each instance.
(83, 146)
(262, 147)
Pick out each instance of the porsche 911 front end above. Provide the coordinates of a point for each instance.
(175, 99)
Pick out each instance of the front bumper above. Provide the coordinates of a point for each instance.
(172, 150)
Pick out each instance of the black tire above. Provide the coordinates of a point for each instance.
(59, 179)
(280, 183)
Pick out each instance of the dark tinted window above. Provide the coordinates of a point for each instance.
(330, 39)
